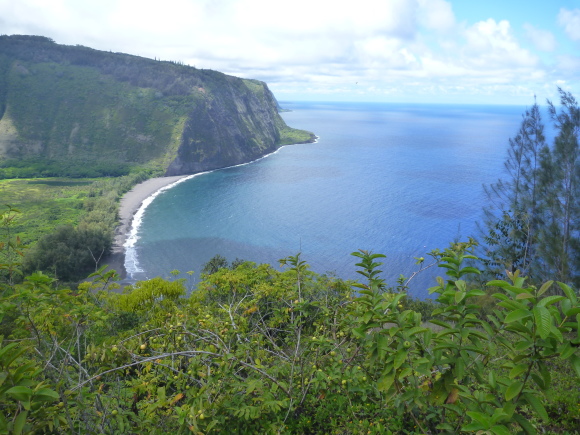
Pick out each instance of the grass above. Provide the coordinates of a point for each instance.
(289, 136)
(44, 204)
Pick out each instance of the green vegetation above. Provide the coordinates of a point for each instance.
(75, 112)
(44, 204)
(66, 226)
(257, 350)
(78, 112)
(40, 168)
(254, 349)
(534, 213)
(290, 136)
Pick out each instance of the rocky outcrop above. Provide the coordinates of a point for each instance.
(235, 127)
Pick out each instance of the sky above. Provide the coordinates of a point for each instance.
(423, 51)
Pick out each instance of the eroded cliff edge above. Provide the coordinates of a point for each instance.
(76, 104)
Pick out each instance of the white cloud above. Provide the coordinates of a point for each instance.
(323, 45)
(436, 15)
(543, 40)
(570, 21)
(491, 44)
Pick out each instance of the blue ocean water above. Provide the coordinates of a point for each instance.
(395, 179)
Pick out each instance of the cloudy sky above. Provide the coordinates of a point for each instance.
(431, 51)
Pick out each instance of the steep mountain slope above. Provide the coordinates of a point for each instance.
(76, 104)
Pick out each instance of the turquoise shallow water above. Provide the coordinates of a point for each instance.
(395, 179)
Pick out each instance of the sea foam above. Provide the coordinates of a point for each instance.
(131, 258)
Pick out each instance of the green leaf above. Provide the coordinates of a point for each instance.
(445, 426)
(475, 292)
(450, 260)
(518, 370)
(386, 381)
(472, 427)
(575, 360)
(481, 418)
(478, 334)
(383, 342)
(445, 346)
(498, 283)
(568, 292)
(22, 394)
(8, 357)
(500, 429)
(508, 409)
(440, 323)
(566, 350)
(19, 422)
(7, 349)
(545, 287)
(524, 296)
(400, 358)
(447, 332)
(536, 406)
(469, 269)
(416, 330)
(46, 394)
(517, 315)
(513, 390)
(513, 305)
(523, 345)
(359, 332)
(459, 368)
(556, 332)
(550, 300)
(543, 320)
(539, 381)
(525, 424)
(491, 379)
(405, 372)
(367, 316)
(572, 311)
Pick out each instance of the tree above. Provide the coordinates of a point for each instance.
(11, 249)
(560, 236)
(512, 218)
(69, 253)
(215, 263)
(532, 221)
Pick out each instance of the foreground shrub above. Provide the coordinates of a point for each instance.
(259, 350)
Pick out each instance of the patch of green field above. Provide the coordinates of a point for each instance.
(44, 204)
(61, 182)
(289, 136)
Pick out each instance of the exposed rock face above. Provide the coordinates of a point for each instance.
(234, 128)
(74, 103)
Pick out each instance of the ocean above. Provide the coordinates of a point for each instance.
(395, 179)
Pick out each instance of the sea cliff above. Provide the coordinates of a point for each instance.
(88, 107)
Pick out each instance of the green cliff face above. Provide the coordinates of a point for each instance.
(73, 103)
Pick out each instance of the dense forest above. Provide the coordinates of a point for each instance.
(256, 349)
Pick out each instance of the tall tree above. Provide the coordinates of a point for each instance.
(533, 220)
(560, 237)
(512, 218)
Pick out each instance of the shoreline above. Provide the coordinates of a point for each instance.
(129, 205)
(132, 201)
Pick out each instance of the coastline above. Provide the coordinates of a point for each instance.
(128, 206)
(132, 202)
